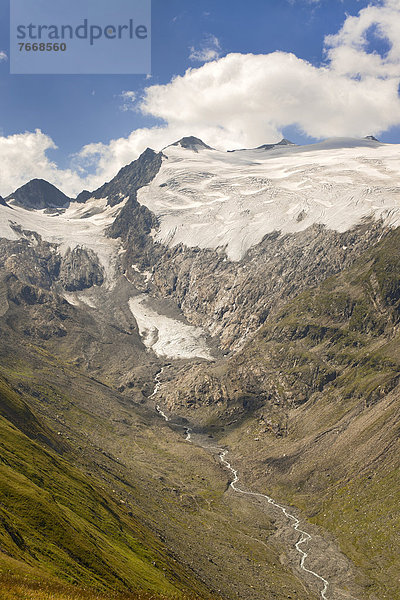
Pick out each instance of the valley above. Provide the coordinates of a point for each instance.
(199, 377)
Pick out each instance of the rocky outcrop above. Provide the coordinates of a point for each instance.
(83, 196)
(283, 142)
(31, 259)
(339, 338)
(80, 269)
(192, 143)
(37, 262)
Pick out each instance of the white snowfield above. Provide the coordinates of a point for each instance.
(166, 336)
(80, 225)
(216, 199)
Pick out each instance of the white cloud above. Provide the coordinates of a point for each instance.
(242, 100)
(128, 97)
(3, 56)
(210, 49)
(348, 50)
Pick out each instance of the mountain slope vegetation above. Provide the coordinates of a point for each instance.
(55, 519)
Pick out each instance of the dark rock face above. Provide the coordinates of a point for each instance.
(39, 263)
(2, 201)
(283, 142)
(83, 196)
(80, 269)
(135, 222)
(39, 194)
(41, 313)
(31, 259)
(324, 340)
(128, 180)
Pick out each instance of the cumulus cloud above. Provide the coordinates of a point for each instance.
(251, 98)
(3, 56)
(244, 100)
(24, 156)
(210, 49)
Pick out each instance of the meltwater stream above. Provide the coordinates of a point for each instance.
(304, 536)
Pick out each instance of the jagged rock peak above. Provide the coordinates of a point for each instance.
(39, 194)
(2, 201)
(283, 142)
(192, 143)
(371, 137)
(128, 179)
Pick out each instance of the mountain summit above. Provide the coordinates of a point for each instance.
(192, 143)
(39, 194)
(283, 142)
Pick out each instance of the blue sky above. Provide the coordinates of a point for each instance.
(78, 110)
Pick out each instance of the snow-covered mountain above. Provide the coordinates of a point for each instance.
(206, 198)
(223, 236)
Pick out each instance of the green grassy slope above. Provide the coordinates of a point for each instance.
(56, 520)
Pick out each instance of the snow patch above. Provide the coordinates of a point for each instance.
(70, 298)
(166, 336)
